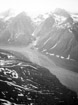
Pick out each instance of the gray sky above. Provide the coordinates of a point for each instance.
(35, 7)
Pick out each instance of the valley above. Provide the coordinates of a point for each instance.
(67, 78)
(40, 59)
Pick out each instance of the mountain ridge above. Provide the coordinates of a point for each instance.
(57, 33)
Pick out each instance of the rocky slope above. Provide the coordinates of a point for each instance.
(16, 30)
(57, 35)
(23, 82)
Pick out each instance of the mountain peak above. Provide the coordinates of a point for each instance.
(61, 12)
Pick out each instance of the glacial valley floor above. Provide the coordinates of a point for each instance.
(66, 77)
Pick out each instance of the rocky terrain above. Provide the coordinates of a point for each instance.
(26, 83)
(39, 61)
(57, 37)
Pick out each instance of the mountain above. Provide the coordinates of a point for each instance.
(17, 30)
(36, 59)
(57, 37)
(61, 12)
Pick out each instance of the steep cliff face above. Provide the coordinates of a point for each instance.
(18, 30)
(58, 35)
